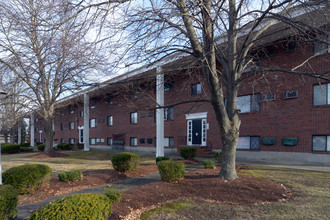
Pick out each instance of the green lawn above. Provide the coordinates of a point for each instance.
(76, 160)
(311, 200)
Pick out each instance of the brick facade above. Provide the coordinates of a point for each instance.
(279, 118)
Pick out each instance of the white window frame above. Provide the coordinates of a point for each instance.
(92, 123)
(133, 117)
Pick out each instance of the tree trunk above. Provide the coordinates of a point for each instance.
(49, 135)
(12, 135)
(5, 136)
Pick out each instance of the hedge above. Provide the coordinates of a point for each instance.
(209, 164)
(25, 144)
(124, 162)
(28, 178)
(161, 159)
(8, 202)
(77, 206)
(41, 147)
(64, 146)
(26, 149)
(188, 152)
(217, 156)
(171, 170)
(10, 148)
(70, 176)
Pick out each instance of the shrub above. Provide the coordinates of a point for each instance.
(209, 164)
(77, 206)
(70, 176)
(27, 178)
(10, 148)
(25, 144)
(217, 156)
(171, 170)
(41, 147)
(8, 201)
(124, 162)
(64, 146)
(188, 152)
(26, 149)
(161, 159)
(114, 195)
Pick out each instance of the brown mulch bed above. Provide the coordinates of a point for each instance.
(202, 184)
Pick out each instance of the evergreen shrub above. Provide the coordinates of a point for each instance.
(10, 148)
(78, 206)
(41, 147)
(27, 178)
(171, 170)
(70, 176)
(188, 152)
(64, 146)
(161, 159)
(25, 144)
(8, 202)
(209, 164)
(114, 195)
(217, 156)
(26, 149)
(124, 162)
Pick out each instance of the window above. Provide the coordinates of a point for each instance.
(196, 89)
(169, 113)
(169, 142)
(62, 140)
(290, 46)
(109, 99)
(321, 94)
(249, 103)
(71, 125)
(110, 120)
(62, 113)
(321, 48)
(134, 117)
(109, 141)
(133, 141)
(61, 127)
(92, 123)
(71, 110)
(92, 141)
(248, 143)
(81, 114)
(36, 130)
(134, 95)
(72, 140)
(169, 83)
(321, 143)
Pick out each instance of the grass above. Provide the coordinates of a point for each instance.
(75, 160)
(311, 200)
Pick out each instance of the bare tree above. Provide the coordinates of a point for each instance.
(225, 32)
(49, 50)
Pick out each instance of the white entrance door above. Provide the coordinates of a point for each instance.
(196, 129)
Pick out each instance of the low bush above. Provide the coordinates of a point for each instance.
(64, 146)
(171, 170)
(10, 148)
(124, 162)
(26, 149)
(8, 202)
(188, 152)
(41, 147)
(77, 206)
(113, 194)
(70, 176)
(217, 156)
(28, 178)
(209, 164)
(161, 159)
(25, 144)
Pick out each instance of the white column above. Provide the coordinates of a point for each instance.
(19, 134)
(86, 122)
(159, 113)
(32, 130)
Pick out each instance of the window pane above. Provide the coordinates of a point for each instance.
(109, 141)
(255, 143)
(134, 118)
(328, 143)
(320, 94)
(243, 103)
(255, 103)
(243, 143)
(320, 48)
(109, 120)
(328, 94)
(319, 143)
